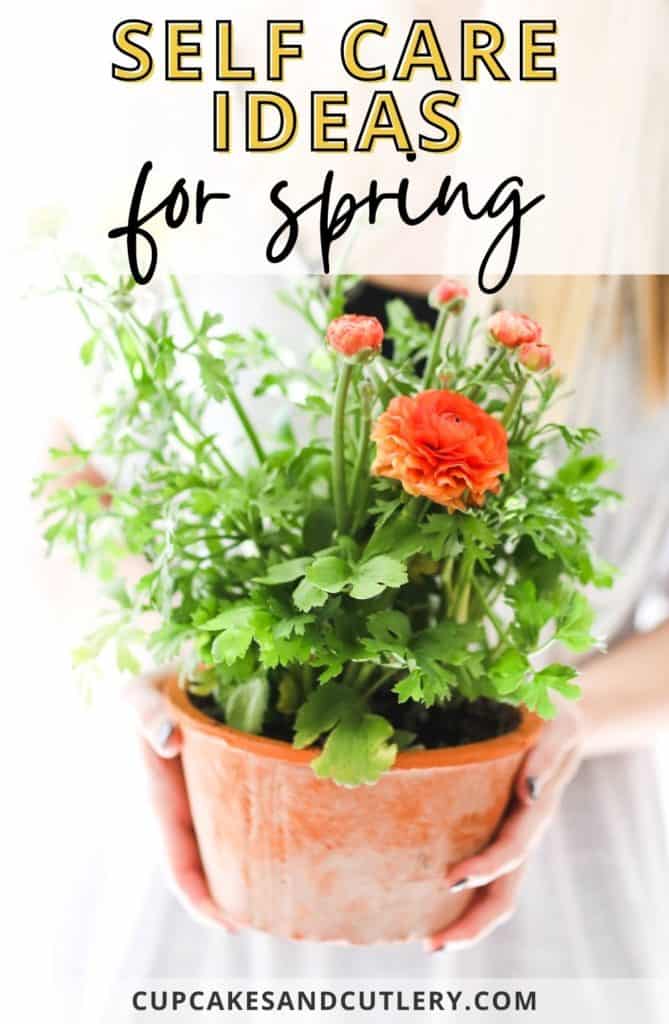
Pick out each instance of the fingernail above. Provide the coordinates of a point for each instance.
(458, 886)
(532, 784)
(164, 733)
(454, 946)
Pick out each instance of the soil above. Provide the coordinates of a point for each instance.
(452, 725)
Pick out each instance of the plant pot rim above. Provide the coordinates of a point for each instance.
(186, 714)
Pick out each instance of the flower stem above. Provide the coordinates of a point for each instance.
(478, 391)
(242, 415)
(487, 608)
(464, 350)
(493, 363)
(338, 457)
(360, 482)
(182, 304)
(533, 422)
(462, 607)
(447, 576)
(379, 682)
(514, 400)
(460, 602)
(210, 447)
(417, 508)
(437, 336)
(245, 422)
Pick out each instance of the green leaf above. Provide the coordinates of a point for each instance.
(214, 376)
(118, 592)
(604, 574)
(318, 527)
(400, 537)
(582, 469)
(389, 627)
(449, 642)
(475, 532)
(232, 644)
(543, 705)
(389, 635)
(428, 683)
(358, 750)
(87, 350)
(574, 627)
(246, 705)
(228, 617)
(316, 405)
(507, 673)
(558, 677)
(436, 653)
(321, 711)
(329, 573)
(293, 624)
(237, 627)
(306, 596)
(374, 576)
(403, 738)
(285, 572)
(574, 439)
(410, 687)
(441, 538)
(407, 333)
(531, 612)
(333, 670)
(289, 695)
(94, 643)
(203, 502)
(126, 661)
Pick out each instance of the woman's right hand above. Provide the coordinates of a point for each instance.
(161, 749)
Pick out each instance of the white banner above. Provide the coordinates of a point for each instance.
(550, 156)
(475, 1001)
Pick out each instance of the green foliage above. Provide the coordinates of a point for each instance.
(279, 616)
(358, 750)
(246, 704)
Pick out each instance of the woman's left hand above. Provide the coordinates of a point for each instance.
(496, 873)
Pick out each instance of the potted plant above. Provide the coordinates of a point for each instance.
(357, 602)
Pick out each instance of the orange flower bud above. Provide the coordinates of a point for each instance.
(448, 292)
(513, 329)
(352, 335)
(535, 356)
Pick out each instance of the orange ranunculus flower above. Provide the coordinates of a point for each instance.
(536, 355)
(442, 446)
(448, 292)
(353, 335)
(513, 329)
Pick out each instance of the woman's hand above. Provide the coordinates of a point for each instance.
(496, 873)
(161, 748)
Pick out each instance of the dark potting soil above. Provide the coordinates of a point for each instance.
(451, 725)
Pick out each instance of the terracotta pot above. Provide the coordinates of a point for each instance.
(300, 857)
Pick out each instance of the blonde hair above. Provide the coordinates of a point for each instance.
(567, 307)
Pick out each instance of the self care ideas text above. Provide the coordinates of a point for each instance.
(370, 51)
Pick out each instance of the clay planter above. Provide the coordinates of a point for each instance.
(300, 857)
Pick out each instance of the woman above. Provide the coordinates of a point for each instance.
(589, 902)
